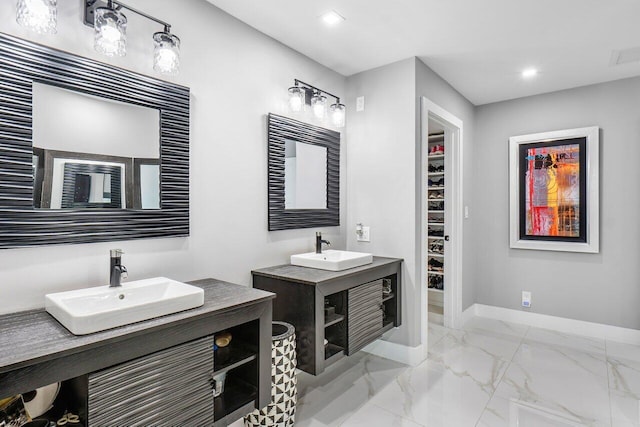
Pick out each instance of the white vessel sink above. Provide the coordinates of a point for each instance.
(89, 310)
(332, 260)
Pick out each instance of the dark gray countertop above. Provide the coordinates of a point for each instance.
(31, 337)
(314, 276)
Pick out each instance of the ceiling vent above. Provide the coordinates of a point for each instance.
(625, 56)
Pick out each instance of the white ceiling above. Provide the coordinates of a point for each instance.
(478, 46)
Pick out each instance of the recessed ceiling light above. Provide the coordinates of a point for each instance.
(529, 73)
(331, 18)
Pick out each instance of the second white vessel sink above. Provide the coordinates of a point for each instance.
(89, 310)
(332, 260)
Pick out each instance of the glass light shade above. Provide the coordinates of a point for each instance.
(319, 106)
(296, 99)
(338, 114)
(166, 54)
(40, 16)
(110, 32)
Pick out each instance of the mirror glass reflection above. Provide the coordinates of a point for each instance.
(150, 185)
(91, 152)
(92, 188)
(88, 185)
(305, 177)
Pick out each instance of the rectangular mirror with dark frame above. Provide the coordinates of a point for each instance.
(304, 175)
(88, 152)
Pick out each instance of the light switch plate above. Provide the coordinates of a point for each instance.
(366, 235)
(526, 299)
(360, 103)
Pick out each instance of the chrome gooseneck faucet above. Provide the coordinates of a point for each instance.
(319, 242)
(117, 272)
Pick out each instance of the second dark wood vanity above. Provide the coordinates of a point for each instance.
(358, 313)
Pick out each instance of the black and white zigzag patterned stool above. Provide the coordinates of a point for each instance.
(282, 409)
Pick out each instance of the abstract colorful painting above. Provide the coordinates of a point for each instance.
(552, 190)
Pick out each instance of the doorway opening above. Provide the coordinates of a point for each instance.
(441, 217)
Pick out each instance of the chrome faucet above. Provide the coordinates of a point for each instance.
(117, 272)
(319, 242)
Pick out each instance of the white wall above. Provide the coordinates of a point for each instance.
(381, 181)
(604, 287)
(236, 75)
(381, 177)
(436, 89)
(384, 172)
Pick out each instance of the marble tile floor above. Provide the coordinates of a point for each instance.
(488, 374)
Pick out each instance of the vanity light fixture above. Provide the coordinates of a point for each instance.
(110, 31)
(319, 105)
(40, 16)
(110, 34)
(166, 54)
(296, 98)
(301, 94)
(529, 73)
(338, 113)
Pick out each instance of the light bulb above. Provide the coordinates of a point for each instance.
(166, 55)
(319, 105)
(338, 114)
(296, 99)
(40, 16)
(110, 32)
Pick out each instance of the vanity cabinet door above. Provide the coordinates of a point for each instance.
(168, 388)
(364, 315)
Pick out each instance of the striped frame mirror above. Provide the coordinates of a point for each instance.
(280, 131)
(21, 64)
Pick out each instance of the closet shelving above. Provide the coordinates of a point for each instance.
(436, 200)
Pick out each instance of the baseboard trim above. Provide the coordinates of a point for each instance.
(437, 318)
(468, 314)
(560, 324)
(411, 356)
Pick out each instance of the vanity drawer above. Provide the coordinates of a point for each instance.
(168, 388)
(364, 316)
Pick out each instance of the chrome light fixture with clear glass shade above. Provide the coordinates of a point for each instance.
(301, 94)
(110, 34)
(40, 16)
(319, 105)
(110, 31)
(166, 54)
(296, 98)
(338, 113)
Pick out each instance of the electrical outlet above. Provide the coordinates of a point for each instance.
(360, 103)
(526, 299)
(466, 212)
(366, 235)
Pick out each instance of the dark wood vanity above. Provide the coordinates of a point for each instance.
(156, 372)
(358, 311)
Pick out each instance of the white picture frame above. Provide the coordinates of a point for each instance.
(592, 173)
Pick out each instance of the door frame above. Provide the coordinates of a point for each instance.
(453, 216)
